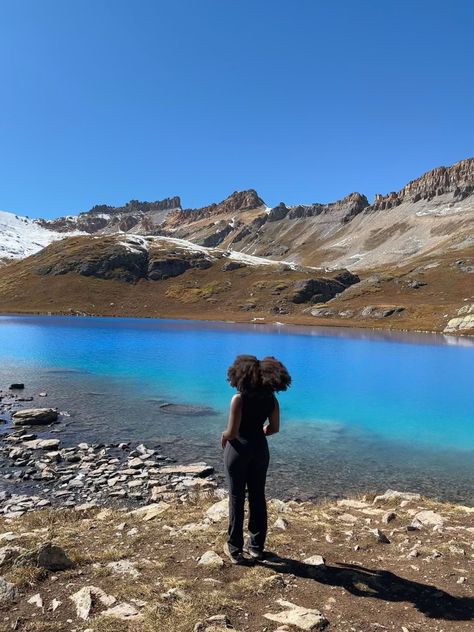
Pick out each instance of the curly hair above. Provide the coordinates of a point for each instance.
(247, 373)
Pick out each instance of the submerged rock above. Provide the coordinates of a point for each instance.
(34, 416)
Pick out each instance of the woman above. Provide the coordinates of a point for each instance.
(245, 447)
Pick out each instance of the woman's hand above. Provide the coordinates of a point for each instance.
(223, 440)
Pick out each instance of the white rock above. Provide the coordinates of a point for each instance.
(315, 560)
(122, 611)
(86, 596)
(430, 518)
(392, 494)
(352, 504)
(210, 558)
(302, 618)
(193, 469)
(218, 511)
(124, 567)
(281, 523)
(349, 518)
(55, 604)
(151, 511)
(36, 600)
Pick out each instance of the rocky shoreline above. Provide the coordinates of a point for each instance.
(37, 471)
(121, 538)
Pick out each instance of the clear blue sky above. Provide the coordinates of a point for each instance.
(303, 100)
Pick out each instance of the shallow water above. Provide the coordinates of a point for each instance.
(366, 410)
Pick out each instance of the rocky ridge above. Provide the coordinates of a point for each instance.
(413, 252)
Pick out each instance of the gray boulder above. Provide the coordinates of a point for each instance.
(8, 591)
(48, 556)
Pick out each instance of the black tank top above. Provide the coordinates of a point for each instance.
(257, 406)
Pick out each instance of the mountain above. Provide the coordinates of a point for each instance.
(408, 257)
(21, 236)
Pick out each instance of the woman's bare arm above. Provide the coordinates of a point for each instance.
(233, 424)
(273, 425)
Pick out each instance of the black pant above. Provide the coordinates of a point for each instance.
(246, 464)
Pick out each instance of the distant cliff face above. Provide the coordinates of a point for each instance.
(433, 212)
(457, 179)
(141, 216)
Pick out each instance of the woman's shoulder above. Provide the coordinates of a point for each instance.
(236, 399)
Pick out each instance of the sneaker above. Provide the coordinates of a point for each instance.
(235, 558)
(257, 554)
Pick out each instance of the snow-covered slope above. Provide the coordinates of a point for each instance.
(21, 236)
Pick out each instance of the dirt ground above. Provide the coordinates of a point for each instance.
(421, 580)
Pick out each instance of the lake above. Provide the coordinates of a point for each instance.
(366, 410)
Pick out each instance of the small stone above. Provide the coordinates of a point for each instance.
(315, 560)
(430, 518)
(173, 594)
(210, 558)
(8, 591)
(36, 600)
(281, 523)
(461, 580)
(349, 518)
(124, 567)
(149, 512)
(85, 597)
(122, 611)
(55, 605)
(135, 464)
(415, 525)
(379, 536)
(388, 517)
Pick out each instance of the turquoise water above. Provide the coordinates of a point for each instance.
(382, 398)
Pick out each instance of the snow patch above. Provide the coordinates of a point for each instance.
(21, 237)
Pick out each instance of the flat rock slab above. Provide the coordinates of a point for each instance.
(193, 469)
(303, 618)
(122, 611)
(430, 518)
(34, 416)
(148, 512)
(41, 444)
(392, 494)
